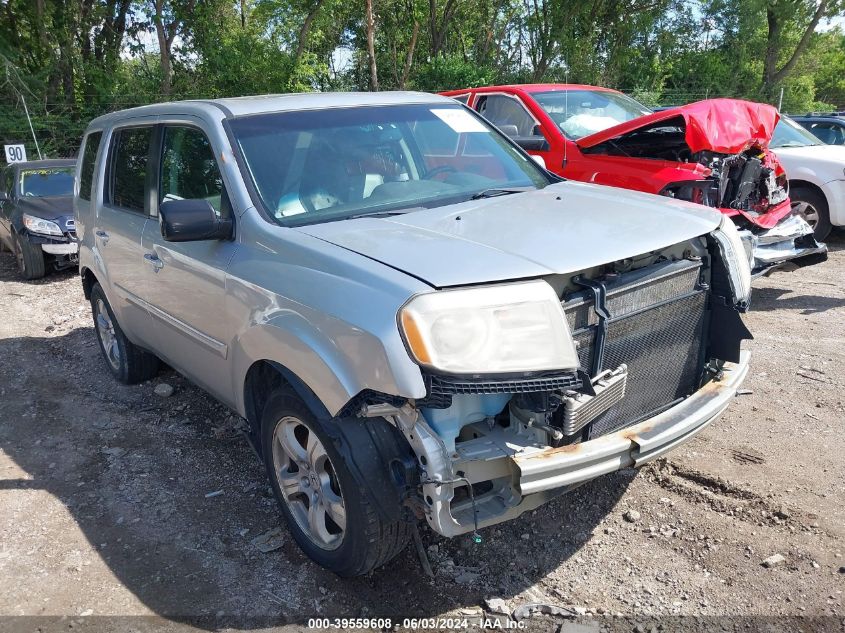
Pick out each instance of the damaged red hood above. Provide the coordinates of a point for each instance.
(725, 126)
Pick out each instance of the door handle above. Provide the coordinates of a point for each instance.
(104, 237)
(153, 259)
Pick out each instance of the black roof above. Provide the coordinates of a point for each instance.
(833, 116)
(45, 164)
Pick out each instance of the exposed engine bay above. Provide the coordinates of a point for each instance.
(750, 181)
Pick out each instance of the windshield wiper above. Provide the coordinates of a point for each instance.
(381, 214)
(499, 191)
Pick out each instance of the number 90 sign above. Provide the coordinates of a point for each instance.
(15, 153)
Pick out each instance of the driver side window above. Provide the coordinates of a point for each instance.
(189, 169)
(508, 114)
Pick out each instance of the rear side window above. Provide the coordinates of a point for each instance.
(129, 158)
(89, 159)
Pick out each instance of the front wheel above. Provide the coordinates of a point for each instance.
(127, 362)
(30, 258)
(812, 206)
(329, 512)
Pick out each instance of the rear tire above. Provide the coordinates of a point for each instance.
(314, 485)
(30, 258)
(812, 206)
(126, 361)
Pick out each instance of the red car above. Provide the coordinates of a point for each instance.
(712, 152)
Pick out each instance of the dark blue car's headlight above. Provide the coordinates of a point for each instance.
(38, 225)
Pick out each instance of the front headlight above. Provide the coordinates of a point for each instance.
(37, 225)
(736, 260)
(488, 330)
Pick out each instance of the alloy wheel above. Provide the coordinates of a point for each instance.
(308, 483)
(806, 211)
(108, 338)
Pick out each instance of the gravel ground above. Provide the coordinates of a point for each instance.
(115, 501)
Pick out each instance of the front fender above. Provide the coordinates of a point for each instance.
(334, 366)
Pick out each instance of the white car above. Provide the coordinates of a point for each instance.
(816, 175)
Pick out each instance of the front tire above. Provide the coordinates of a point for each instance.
(30, 258)
(329, 512)
(126, 361)
(812, 206)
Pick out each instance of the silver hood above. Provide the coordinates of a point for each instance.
(563, 228)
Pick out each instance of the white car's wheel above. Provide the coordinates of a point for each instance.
(812, 206)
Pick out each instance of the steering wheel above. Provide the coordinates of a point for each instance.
(440, 169)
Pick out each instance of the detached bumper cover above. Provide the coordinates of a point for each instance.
(60, 249)
(633, 446)
(55, 244)
(791, 239)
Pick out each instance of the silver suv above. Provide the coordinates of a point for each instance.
(416, 319)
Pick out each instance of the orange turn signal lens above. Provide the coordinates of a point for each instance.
(415, 339)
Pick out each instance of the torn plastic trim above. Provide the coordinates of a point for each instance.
(542, 470)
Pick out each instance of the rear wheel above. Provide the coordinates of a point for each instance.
(812, 206)
(30, 258)
(329, 512)
(126, 361)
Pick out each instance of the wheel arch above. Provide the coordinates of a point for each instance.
(89, 278)
(262, 378)
(797, 183)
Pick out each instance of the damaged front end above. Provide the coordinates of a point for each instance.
(721, 147)
(657, 339)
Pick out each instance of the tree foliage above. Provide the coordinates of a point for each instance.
(74, 59)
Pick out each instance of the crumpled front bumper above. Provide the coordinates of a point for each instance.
(55, 244)
(526, 474)
(545, 469)
(790, 240)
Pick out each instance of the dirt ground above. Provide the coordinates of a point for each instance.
(106, 504)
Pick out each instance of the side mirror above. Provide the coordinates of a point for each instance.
(192, 221)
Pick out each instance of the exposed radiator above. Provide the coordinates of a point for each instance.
(655, 326)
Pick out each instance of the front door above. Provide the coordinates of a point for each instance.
(185, 283)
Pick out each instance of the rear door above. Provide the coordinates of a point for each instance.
(119, 226)
(185, 282)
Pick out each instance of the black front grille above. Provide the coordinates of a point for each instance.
(441, 388)
(661, 344)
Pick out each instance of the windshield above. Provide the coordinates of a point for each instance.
(789, 134)
(322, 165)
(56, 181)
(579, 113)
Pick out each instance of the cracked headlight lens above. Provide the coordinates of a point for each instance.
(505, 328)
(38, 225)
(734, 255)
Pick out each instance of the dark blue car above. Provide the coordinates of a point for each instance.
(828, 128)
(36, 215)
